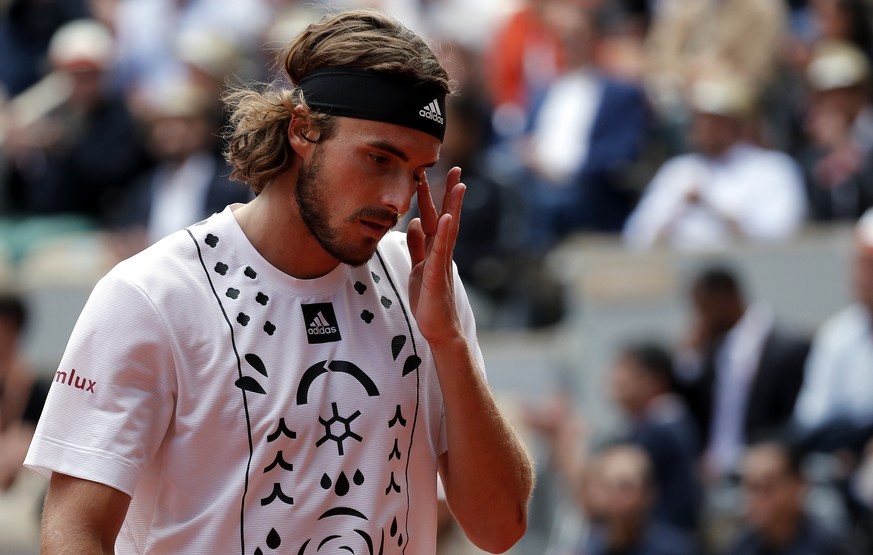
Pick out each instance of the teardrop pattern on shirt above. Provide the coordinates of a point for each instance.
(397, 344)
(273, 539)
(257, 363)
(232, 285)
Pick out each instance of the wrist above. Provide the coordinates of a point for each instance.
(450, 344)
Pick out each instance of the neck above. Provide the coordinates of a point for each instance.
(273, 226)
(625, 533)
(783, 531)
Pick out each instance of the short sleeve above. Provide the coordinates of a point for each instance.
(113, 395)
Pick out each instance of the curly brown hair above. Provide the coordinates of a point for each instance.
(258, 148)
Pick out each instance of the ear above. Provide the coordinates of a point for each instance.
(300, 133)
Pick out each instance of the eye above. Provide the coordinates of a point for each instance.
(379, 160)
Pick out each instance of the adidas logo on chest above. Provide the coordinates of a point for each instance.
(321, 323)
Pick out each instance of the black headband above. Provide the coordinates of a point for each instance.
(365, 94)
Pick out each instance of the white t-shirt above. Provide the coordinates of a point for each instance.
(760, 190)
(245, 411)
(839, 375)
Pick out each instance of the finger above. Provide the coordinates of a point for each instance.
(455, 202)
(426, 208)
(415, 241)
(440, 252)
(453, 178)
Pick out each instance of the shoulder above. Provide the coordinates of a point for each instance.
(175, 260)
(788, 340)
(669, 540)
(617, 89)
(820, 539)
(768, 157)
(851, 320)
(157, 258)
(746, 543)
(675, 166)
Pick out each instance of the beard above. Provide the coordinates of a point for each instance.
(314, 208)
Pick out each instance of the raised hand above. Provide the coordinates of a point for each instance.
(431, 240)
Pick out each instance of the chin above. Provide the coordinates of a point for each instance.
(359, 258)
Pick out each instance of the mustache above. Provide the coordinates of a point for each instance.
(377, 215)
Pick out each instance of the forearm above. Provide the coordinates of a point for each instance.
(61, 540)
(81, 517)
(487, 472)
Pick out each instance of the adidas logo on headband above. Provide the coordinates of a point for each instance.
(432, 112)
(387, 97)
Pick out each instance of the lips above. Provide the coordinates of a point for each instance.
(379, 227)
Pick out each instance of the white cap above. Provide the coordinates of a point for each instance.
(83, 43)
(210, 52)
(176, 97)
(722, 95)
(837, 64)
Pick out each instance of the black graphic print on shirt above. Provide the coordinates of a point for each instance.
(331, 422)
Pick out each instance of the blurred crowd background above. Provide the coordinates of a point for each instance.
(666, 238)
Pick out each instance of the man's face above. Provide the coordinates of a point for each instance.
(772, 493)
(626, 495)
(713, 134)
(711, 312)
(356, 184)
(628, 384)
(175, 138)
(87, 87)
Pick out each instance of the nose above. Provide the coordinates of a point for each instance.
(397, 193)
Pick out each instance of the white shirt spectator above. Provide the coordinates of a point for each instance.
(698, 202)
(839, 371)
(561, 133)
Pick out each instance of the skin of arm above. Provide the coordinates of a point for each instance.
(81, 517)
(487, 472)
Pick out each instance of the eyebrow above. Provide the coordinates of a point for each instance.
(390, 148)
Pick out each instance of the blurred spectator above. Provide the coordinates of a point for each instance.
(729, 189)
(775, 521)
(26, 27)
(189, 181)
(485, 250)
(509, 287)
(659, 426)
(73, 147)
(839, 384)
(813, 23)
(845, 20)
(212, 61)
(641, 384)
(286, 23)
(21, 393)
(621, 480)
(525, 56)
(150, 34)
(688, 37)
(740, 373)
(638, 15)
(587, 131)
(839, 164)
